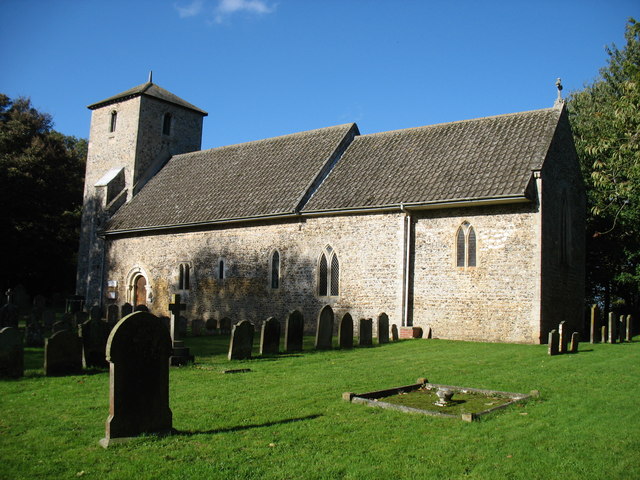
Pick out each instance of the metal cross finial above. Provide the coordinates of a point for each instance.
(559, 100)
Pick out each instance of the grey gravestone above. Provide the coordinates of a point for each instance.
(383, 328)
(394, 333)
(603, 333)
(62, 354)
(612, 328)
(575, 341)
(138, 350)
(293, 332)
(324, 330)
(225, 326)
(554, 340)
(594, 324)
(113, 314)
(564, 337)
(345, 331)
(95, 313)
(125, 310)
(621, 329)
(175, 307)
(629, 328)
(48, 319)
(197, 327)
(241, 342)
(211, 326)
(365, 334)
(270, 337)
(94, 334)
(11, 353)
(177, 329)
(9, 315)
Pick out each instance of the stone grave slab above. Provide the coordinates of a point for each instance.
(62, 354)
(11, 353)
(270, 337)
(138, 351)
(241, 342)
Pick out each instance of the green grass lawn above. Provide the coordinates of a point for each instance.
(286, 420)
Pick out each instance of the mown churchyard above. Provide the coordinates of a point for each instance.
(283, 416)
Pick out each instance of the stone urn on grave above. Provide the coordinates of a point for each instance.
(444, 397)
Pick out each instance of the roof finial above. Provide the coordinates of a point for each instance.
(151, 76)
(559, 101)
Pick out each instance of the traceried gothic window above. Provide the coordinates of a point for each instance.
(466, 246)
(328, 273)
(113, 122)
(275, 270)
(184, 272)
(166, 124)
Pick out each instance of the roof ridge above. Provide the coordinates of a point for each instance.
(456, 122)
(347, 126)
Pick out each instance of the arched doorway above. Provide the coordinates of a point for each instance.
(140, 291)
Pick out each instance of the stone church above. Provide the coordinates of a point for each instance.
(474, 229)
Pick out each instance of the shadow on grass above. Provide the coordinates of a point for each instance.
(246, 427)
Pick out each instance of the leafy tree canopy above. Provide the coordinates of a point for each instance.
(605, 118)
(41, 183)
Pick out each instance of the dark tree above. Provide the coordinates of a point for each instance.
(41, 183)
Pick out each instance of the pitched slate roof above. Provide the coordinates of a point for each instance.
(261, 178)
(151, 90)
(468, 160)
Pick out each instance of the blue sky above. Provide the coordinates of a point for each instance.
(263, 68)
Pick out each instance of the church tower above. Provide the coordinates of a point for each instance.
(132, 136)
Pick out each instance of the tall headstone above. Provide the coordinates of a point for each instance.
(181, 354)
(594, 330)
(365, 332)
(394, 333)
(383, 328)
(270, 337)
(94, 334)
(113, 315)
(138, 351)
(603, 333)
(554, 340)
(241, 342)
(629, 328)
(324, 329)
(62, 354)
(612, 328)
(564, 337)
(11, 353)
(293, 332)
(126, 309)
(575, 341)
(621, 329)
(345, 331)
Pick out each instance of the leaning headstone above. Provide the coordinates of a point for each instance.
(324, 329)
(621, 329)
(612, 328)
(125, 310)
(11, 353)
(345, 331)
(94, 334)
(575, 341)
(629, 328)
(564, 337)
(554, 340)
(394, 333)
(383, 328)
(293, 332)
(225, 325)
(113, 314)
(270, 337)
(138, 350)
(594, 324)
(241, 342)
(365, 333)
(62, 354)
